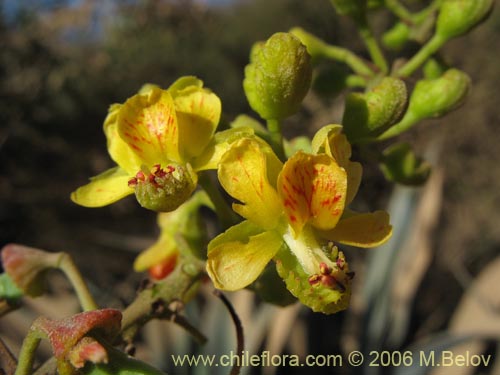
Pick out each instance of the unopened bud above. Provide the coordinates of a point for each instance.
(164, 189)
(26, 266)
(457, 17)
(278, 76)
(436, 97)
(370, 114)
(396, 37)
(315, 46)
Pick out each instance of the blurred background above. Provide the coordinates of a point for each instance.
(434, 286)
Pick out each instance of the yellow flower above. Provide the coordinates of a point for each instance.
(159, 139)
(293, 211)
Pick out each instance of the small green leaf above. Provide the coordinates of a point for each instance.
(400, 164)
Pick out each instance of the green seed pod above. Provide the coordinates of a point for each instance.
(351, 8)
(370, 114)
(278, 76)
(457, 17)
(400, 164)
(163, 190)
(396, 37)
(436, 97)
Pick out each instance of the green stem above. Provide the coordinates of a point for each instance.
(69, 268)
(430, 48)
(356, 63)
(371, 43)
(27, 353)
(153, 302)
(355, 81)
(276, 138)
(227, 217)
(399, 10)
(406, 123)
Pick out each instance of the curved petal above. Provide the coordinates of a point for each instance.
(198, 114)
(319, 143)
(244, 173)
(362, 230)
(148, 124)
(312, 189)
(234, 264)
(118, 149)
(104, 189)
(183, 84)
(218, 145)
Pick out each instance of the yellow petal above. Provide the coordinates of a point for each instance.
(219, 144)
(104, 189)
(244, 173)
(198, 113)
(236, 264)
(331, 141)
(148, 124)
(362, 230)
(320, 141)
(312, 189)
(118, 149)
(161, 249)
(354, 172)
(184, 84)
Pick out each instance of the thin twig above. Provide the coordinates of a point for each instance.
(240, 340)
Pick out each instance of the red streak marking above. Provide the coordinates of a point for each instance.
(135, 147)
(293, 218)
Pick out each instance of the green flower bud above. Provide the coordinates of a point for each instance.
(396, 37)
(434, 68)
(457, 17)
(433, 98)
(436, 97)
(278, 76)
(370, 114)
(400, 164)
(163, 190)
(351, 8)
(315, 46)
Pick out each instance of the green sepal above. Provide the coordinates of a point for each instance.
(278, 76)
(301, 143)
(400, 164)
(9, 291)
(369, 114)
(457, 17)
(318, 297)
(271, 288)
